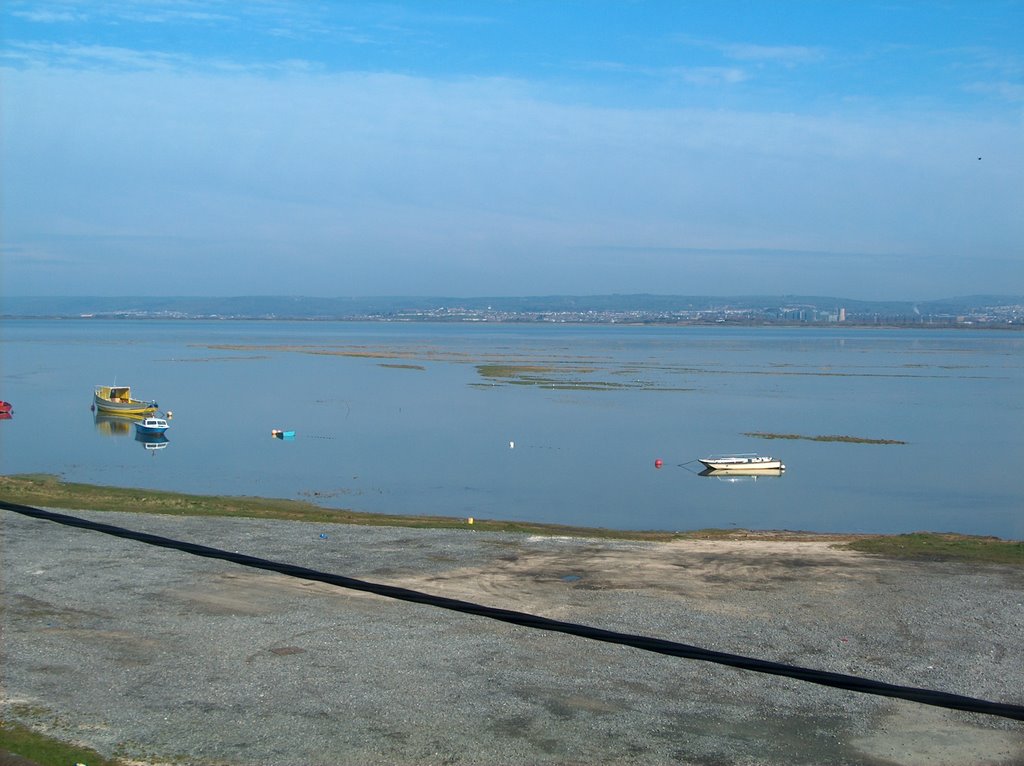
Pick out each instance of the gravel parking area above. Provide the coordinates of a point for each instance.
(157, 656)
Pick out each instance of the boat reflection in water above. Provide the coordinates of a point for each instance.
(115, 425)
(751, 474)
(124, 426)
(151, 442)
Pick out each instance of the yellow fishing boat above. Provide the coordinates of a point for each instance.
(118, 399)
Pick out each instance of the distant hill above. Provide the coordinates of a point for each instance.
(298, 307)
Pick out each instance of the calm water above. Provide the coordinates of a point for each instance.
(397, 418)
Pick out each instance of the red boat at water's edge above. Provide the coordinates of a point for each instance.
(6, 408)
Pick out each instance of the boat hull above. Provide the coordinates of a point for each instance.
(742, 466)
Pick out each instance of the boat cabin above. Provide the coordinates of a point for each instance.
(115, 393)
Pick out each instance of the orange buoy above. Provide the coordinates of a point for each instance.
(658, 463)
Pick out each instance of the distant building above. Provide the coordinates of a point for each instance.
(842, 315)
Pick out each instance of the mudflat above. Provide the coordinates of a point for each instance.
(158, 656)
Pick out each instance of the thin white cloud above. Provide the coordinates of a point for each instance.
(695, 75)
(93, 56)
(145, 12)
(163, 11)
(711, 75)
(107, 57)
(48, 16)
(741, 51)
(786, 54)
(990, 72)
(1012, 92)
(767, 254)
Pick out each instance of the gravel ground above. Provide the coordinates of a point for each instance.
(158, 656)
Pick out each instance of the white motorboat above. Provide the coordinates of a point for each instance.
(151, 425)
(742, 463)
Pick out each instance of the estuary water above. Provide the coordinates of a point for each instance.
(549, 423)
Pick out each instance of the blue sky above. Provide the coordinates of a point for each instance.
(868, 150)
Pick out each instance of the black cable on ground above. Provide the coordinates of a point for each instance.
(661, 646)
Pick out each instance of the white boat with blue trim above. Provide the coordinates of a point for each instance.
(151, 426)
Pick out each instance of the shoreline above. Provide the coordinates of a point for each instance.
(49, 491)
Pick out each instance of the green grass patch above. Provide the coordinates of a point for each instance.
(936, 546)
(47, 751)
(559, 378)
(47, 491)
(829, 438)
(519, 370)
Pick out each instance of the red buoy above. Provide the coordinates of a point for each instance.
(658, 463)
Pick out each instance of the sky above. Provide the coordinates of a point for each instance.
(869, 150)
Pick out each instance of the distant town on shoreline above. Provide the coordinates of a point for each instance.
(983, 311)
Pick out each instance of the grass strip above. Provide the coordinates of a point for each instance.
(48, 491)
(47, 751)
(943, 547)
